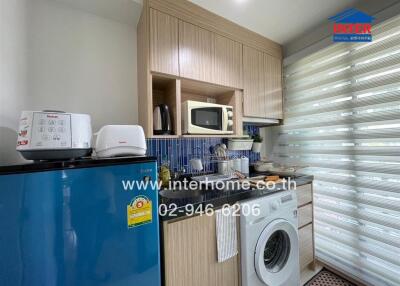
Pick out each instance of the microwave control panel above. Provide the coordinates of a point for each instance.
(230, 119)
(51, 130)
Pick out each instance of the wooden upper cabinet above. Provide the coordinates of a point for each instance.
(273, 87)
(253, 83)
(164, 43)
(196, 52)
(262, 83)
(227, 62)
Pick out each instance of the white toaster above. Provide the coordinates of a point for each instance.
(120, 140)
(51, 135)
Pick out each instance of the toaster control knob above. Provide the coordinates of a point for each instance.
(230, 122)
(230, 114)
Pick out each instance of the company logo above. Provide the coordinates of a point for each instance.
(352, 26)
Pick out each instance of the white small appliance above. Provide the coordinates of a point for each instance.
(120, 140)
(269, 241)
(245, 165)
(51, 135)
(206, 118)
(196, 164)
(240, 144)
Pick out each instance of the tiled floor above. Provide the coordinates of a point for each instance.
(328, 278)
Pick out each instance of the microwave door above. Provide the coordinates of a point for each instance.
(209, 118)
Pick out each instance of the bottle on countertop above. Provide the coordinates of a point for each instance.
(165, 173)
(244, 165)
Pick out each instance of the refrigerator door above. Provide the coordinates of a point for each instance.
(88, 226)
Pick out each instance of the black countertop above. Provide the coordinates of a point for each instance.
(172, 208)
(70, 164)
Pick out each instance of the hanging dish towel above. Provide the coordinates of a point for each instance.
(226, 234)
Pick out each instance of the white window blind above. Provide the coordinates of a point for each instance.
(342, 119)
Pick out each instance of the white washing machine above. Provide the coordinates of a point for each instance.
(269, 241)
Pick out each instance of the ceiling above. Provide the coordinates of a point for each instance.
(279, 20)
(124, 11)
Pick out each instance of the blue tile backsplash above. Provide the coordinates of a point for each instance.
(179, 151)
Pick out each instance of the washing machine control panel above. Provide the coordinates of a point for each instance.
(274, 205)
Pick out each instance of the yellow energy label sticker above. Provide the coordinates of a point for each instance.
(139, 211)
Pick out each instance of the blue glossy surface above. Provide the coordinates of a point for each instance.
(69, 227)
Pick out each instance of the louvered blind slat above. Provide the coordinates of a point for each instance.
(342, 119)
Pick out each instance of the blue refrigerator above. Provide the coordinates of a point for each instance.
(85, 222)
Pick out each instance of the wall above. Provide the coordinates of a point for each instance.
(74, 56)
(178, 152)
(56, 57)
(13, 73)
(79, 62)
(269, 135)
(320, 37)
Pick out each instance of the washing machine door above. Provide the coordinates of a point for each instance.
(277, 253)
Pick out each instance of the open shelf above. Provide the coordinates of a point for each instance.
(174, 91)
(167, 91)
(205, 92)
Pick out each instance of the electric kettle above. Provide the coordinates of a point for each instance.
(162, 120)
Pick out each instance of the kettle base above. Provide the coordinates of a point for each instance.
(162, 132)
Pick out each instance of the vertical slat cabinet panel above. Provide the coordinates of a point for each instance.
(144, 80)
(164, 51)
(306, 246)
(253, 83)
(273, 87)
(190, 254)
(306, 225)
(196, 52)
(228, 62)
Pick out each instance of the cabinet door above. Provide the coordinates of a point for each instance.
(253, 83)
(306, 246)
(196, 52)
(163, 43)
(273, 87)
(227, 62)
(190, 253)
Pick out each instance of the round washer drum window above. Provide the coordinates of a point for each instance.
(276, 251)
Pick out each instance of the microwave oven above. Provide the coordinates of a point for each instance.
(206, 118)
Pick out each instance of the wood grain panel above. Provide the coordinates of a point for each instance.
(228, 62)
(164, 43)
(305, 215)
(234, 99)
(204, 88)
(196, 97)
(173, 97)
(273, 87)
(203, 18)
(196, 52)
(306, 244)
(211, 136)
(144, 79)
(238, 115)
(191, 255)
(304, 195)
(169, 93)
(253, 83)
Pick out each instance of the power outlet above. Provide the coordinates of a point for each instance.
(211, 100)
